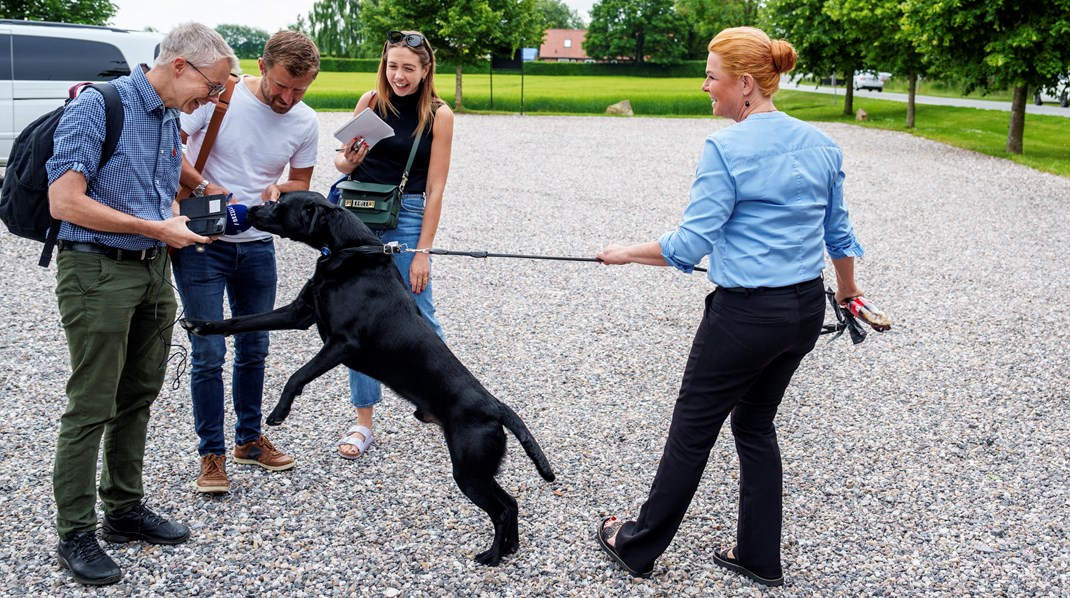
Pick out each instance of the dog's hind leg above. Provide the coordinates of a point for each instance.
(502, 509)
(328, 357)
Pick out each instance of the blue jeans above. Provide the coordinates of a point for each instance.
(363, 390)
(246, 271)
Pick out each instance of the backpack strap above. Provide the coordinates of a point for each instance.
(114, 116)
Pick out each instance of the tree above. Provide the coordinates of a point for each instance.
(993, 44)
(635, 30)
(247, 42)
(824, 44)
(886, 44)
(557, 15)
(706, 18)
(336, 27)
(464, 32)
(86, 12)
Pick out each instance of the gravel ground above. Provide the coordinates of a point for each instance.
(930, 460)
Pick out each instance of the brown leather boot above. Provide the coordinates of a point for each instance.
(261, 452)
(213, 476)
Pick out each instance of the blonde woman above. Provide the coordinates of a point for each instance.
(405, 98)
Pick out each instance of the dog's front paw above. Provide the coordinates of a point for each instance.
(198, 327)
(278, 415)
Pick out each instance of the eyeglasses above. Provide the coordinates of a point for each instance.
(412, 40)
(214, 89)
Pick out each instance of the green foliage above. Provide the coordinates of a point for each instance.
(695, 69)
(993, 44)
(557, 15)
(247, 42)
(692, 68)
(463, 32)
(824, 42)
(636, 30)
(706, 18)
(336, 27)
(86, 12)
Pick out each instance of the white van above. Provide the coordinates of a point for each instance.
(40, 61)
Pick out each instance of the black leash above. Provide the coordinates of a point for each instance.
(394, 247)
(845, 320)
(480, 253)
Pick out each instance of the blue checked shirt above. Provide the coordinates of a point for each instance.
(767, 201)
(141, 178)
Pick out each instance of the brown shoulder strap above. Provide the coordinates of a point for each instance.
(217, 120)
(210, 134)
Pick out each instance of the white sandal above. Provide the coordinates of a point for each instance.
(352, 439)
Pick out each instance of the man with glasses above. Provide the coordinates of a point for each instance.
(266, 128)
(113, 285)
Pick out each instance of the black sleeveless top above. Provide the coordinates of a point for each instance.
(385, 163)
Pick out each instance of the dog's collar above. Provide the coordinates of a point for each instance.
(387, 249)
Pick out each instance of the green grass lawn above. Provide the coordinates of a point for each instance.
(983, 131)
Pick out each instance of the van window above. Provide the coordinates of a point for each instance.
(5, 56)
(59, 59)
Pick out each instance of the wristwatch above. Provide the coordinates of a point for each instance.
(198, 191)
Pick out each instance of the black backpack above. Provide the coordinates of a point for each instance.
(24, 199)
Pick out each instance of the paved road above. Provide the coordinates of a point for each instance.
(1049, 108)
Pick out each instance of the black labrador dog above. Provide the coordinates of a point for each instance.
(369, 321)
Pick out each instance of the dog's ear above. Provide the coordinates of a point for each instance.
(314, 216)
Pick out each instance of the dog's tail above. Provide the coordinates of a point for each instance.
(516, 425)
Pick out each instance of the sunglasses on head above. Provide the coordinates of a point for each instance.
(412, 40)
(214, 88)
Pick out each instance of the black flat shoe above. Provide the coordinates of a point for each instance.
(720, 556)
(140, 523)
(87, 561)
(604, 532)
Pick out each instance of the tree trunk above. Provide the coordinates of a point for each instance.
(849, 95)
(912, 90)
(458, 103)
(1017, 127)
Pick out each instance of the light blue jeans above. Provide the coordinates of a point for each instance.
(363, 390)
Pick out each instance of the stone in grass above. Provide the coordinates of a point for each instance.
(623, 108)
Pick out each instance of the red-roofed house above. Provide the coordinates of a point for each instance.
(564, 45)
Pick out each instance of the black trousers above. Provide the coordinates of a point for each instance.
(745, 352)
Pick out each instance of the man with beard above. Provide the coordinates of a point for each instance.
(265, 129)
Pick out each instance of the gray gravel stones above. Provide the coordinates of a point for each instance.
(930, 460)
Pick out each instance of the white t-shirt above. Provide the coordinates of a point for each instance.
(253, 147)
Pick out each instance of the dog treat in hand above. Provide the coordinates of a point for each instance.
(869, 313)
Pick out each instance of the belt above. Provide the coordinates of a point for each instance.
(791, 288)
(114, 253)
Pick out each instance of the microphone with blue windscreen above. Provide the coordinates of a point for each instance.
(237, 219)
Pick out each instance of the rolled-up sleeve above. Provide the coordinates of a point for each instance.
(79, 137)
(840, 238)
(713, 197)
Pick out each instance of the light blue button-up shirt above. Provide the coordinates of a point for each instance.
(766, 201)
(141, 178)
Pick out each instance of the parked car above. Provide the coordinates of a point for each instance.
(40, 61)
(869, 80)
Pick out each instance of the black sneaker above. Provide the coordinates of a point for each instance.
(88, 562)
(140, 523)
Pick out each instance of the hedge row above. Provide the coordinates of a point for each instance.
(693, 69)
